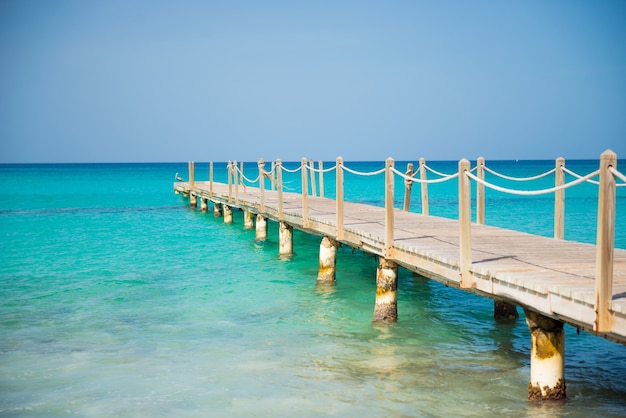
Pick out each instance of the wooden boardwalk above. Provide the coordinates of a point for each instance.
(555, 278)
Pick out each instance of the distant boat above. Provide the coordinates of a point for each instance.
(177, 177)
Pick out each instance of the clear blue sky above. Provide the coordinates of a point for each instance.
(109, 81)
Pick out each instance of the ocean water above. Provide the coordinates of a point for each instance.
(117, 299)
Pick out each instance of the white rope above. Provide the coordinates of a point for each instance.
(292, 171)
(246, 178)
(438, 172)
(532, 192)
(358, 173)
(619, 175)
(578, 175)
(417, 180)
(519, 178)
(326, 170)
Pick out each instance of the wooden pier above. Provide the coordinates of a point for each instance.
(554, 280)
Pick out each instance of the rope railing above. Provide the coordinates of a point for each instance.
(607, 174)
(360, 173)
(495, 173)
(531, 192)
(578, 176)
(418, 180)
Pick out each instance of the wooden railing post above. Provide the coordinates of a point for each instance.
(192, 170)
(243, 184)
(408, 184)
(236, 181)
(465, 224)
(211, 178)
(261, 164)
(313, 186)
(339, 198)
(480, 192)
(230, 182)
(388, 251)
(424, 186)
(279, 185)
(559, 200)
(305, 194)
(605, 241)
(320, 165)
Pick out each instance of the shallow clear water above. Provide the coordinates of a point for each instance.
(119, 300)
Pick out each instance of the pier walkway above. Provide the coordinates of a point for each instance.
(583, 285)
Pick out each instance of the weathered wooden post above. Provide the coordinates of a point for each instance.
(465, 225)
(389, 225)
(228, 214)
(230, 182)
(217, 209)
(605, 241)
(279, 181)
(408, 184)
(424, 186)
(261, 228)
(386, 308)
(192, 170)
(211, 178)
(313, 184)
(236, 182)
(547, 357)
(328, 260)
(305, 194)
(339, 198)
(320, 165)
(243, 184)
(193, 199)
(273, 177)
(285, 239)
(480, 192)
(204, 204)
(261, 164)
(559, 200)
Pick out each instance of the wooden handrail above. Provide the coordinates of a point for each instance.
(480, 192)
(559, 200)
(389, 225)
(305, 194)
(605, 241)
(261, 164)
(424, 187)
(408, 184)
(279, 180)
(339, 198)
(465, 224)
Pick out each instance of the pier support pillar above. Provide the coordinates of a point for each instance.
(547, 357)
(248, 220)
(386, 308)
(193, 200)
(261, 228)
(504, 311)
(328, 260)
(204, 204)
(285, 239)
(228, 214)
(217, 209)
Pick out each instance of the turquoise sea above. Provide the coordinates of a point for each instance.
(118, 300)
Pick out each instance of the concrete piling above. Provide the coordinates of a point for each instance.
(504, 311)
(386, 308)
(217, 209)
(285, 239)
(261, 228)
(328, 260)
(228, 214)
(248, 220)
(547, 357)
(204, 204)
